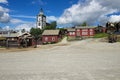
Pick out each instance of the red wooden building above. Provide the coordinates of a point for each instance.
(50, 36)
(81, 32)
(71, 33)
(85, 31)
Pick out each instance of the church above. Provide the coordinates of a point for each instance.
(41, 20)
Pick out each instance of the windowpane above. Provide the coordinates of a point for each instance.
(46, 38)
(53, 38)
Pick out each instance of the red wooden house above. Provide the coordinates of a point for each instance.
(51, 36)
(85, 31)
(81, 32)
(71, 33)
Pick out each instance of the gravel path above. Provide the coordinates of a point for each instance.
(79, 60)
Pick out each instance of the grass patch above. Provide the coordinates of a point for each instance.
(100, 35)
(2, 47)
(73, 38)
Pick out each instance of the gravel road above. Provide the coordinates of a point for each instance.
(79, 60)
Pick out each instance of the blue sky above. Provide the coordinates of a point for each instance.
(18, 14)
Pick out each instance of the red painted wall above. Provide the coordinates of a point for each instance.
(50, 39)
(86, 32)
(83, 32)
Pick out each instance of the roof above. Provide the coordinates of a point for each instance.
(83, 27)
(25, 33)
(15, 35)
(70, 29)
(51, 32)
(10, 35)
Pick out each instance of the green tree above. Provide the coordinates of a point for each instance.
(84, 24)
(51, 26)
(36, 32)
(23, 30)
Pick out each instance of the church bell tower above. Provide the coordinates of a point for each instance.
(41, 20)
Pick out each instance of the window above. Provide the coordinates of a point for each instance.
(46, 38)
(44, 19)
(84, 33)
(53, 38)
(39, 24)
(72, 33)
(91, 33)
(40, 19)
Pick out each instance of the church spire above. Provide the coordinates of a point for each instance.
(41, 11)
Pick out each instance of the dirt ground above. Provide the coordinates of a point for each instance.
(88, 59)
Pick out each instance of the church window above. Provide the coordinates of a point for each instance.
(39, 24)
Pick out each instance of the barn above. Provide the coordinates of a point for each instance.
(51, 36)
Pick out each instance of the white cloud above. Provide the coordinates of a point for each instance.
(39, 2)
(2, 9)
(18, 21)
(51, 18)
(7, 28)
(110, 3)
(3, 1)
(15, 21)
(114, 18)
(89, 11)
(26, 26)
(23, 16)
(4, 16)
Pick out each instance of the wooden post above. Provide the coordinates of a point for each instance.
(18, 42)
(89, 32)
(7, 43)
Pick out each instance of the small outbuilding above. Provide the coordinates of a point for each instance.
(51, 36)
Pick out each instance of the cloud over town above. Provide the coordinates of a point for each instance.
(4, 12)
(90, 11)
(93, 12)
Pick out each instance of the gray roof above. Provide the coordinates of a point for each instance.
(10, 35)
(51, 32)
(70, 29)
(83, 27)
(14, 35)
